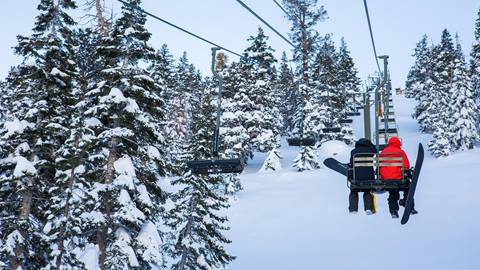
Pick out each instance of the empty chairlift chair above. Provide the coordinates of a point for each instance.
(350, 114)
(301, 141)
(331, 130)
(216, 165)
(345, 121)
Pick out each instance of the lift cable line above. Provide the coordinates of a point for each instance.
(283, 9)
(179, 28)
(371, 36)
(280, 6)
(298, 18)
(265, 22)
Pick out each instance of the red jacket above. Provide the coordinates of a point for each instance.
(394, 149)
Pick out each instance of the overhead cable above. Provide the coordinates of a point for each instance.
(371, 36)
(265, 22)
(179, 28)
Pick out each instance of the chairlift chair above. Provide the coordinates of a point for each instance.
(388, 120)
(390, 130)
(301, 141)
(346, 121)
(376, 162)
(331, 130)
(216, 165)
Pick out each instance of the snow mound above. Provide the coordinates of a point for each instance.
(334, 149)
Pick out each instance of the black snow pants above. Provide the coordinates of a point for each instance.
(393, 198)
(353, 201)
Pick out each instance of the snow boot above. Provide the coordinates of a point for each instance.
(413, 212)
(352, 211)
(369, 212)
(394, 213)
(401, 202)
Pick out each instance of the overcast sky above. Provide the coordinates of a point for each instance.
(397, 25)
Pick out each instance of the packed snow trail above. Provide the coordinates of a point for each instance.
(289, 220)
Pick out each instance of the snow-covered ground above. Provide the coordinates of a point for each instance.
(299, 221)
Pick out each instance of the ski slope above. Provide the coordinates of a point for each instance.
(288, 220)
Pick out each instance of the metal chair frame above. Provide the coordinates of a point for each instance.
(376, 162)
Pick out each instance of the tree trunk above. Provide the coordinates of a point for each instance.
(20, 250)
(66, 210)
(110, 173)
(188, 232)
(102, 233)
(102, 26)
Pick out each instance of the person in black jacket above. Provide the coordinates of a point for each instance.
(363, 148)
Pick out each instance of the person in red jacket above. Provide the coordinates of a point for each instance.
(394, 149)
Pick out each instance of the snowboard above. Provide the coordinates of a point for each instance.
(413, 185)
(336, 165)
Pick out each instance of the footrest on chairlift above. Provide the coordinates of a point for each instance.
(331, 130)
(345, 121)
(301, 141)
(384, 185)
(216, 166)
(388, 120)
(390, 130)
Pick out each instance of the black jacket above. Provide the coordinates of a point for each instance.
(363, 148)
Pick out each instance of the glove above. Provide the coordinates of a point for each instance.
(350, 174)
(409, 173)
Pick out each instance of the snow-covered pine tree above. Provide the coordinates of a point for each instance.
(421, 81)
(327, 91)
(272, 162)
(181, 111)
(162, 70)
(475, 66)
(196, 219)
(7, 93)
(4, 97)
(68, 203)
(128, 148)
(347, 73)
(463, 107)
(37, 127)
(418, 73)
(102, 24)
(237, 85)
(304, 16)
(234, 135)
(438, 113)
(163, 73)
(440, 144)
(287, 91)
(264, 125)
(307, 159)
(189, 87)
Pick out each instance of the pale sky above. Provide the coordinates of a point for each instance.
(397, 25)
